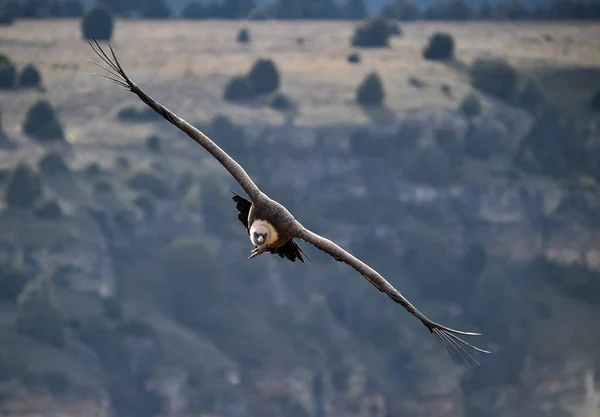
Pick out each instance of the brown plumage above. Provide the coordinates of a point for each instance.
(272, 228)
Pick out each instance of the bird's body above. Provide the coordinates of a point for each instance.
(272, 228)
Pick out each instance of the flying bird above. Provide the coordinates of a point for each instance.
(271, 227)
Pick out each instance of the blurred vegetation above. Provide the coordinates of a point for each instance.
(239, 87)
(470, 106)
(42, 123)
(8, 73)
(97, 22)
(264, 76)
(23, 188)
(495, 76)
(373, 32)
(440, 47)
(370, 91)
(243, 35)
(30, 77)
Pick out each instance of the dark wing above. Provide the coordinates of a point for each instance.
(118, 76)
(290, 250)
(445, 335)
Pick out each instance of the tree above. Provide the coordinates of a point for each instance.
(23, 188)
(354, 10)
(97, 23)
(440, 47)
(264, 76)
(370, 91)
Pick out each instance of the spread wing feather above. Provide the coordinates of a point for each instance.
(119, 77)
(445, 335)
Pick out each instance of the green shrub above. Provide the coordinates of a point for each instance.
(470, 106)
(155, 9)
(24, 187)
(53, 164)
(48, 210)
(373, 32)
(30, 77)
(530, 96)
(153, 143)
(97, 23)
(195, 10)
(8, 73)
(354, 58)
(595, 101)
(145, 181)
(264, 76)
(370, 91)
(133, 113)
(12, 282)
(239, 87)
(41, 122)
(7, 17)
(243, 35)
(440, 47)
(279, 101)
(495, 77)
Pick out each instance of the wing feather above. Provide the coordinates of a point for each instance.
(445, 335)
(118, 76)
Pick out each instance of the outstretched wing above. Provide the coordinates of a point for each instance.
(290, 250)
(118, 76)
(445, 335)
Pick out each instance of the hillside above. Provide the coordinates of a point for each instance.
(137, 297)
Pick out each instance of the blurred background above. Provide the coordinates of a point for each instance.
(452, 145)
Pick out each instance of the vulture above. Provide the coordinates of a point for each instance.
(271, 227)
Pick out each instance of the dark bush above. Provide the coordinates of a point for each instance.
(112, 309)
(259, 13)
(279, 101)
(449, 10)
(407, 136)
(239, 87)
(133, 113)
(530, 96)
(243, 35)
(448, 139)
(71, 8)
(145, 181)
(440, 47)
(12, 282)
(393, 28)
(41, 122)
(429, 166)
(354, 58)
(48, 210)
(264, 76)
(153, 143)
(354, 10)
(30, 77)
(401, 10)
(122, 162)
(595, 101)
(370, 91)
(52, 163)
(144, 203)
(38, 318)
(103, 186)
(8, 73)
(124, 220)
(93, 169)
(155, 9)
(195, 10)
(494, 76)
(7, 17)
(97, 23)
(373, 32)
(482, 141)
(24, 187)
(470, 106)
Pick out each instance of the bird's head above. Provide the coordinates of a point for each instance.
(259, 235)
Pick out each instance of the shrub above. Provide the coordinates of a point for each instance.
(93, 169)
(49, 210)
(595, 101)
(370, 91)
(8, 73)
(279, 101)
(194, 10)
(97, 23)
(494, 76)
(103, 186)
(153, 143)
(470, 106)
(133, 113)
(71, 8)
(124, 220)
(239, 87)
(145, 181)
(24, 187)
(122, 162)
(353, 58)
(155, 9)
(482, 141)
(440, 47)
(401, 10)
(393, 28)
(41, 122)
(30, 77)
(7, 17)
(112, 309)
(144, 203)
(12, 282)
(373, 32)
(264, 76)
(429, 166)
(243, 35)
(530, 96)
(52, 163)
(448, 139)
